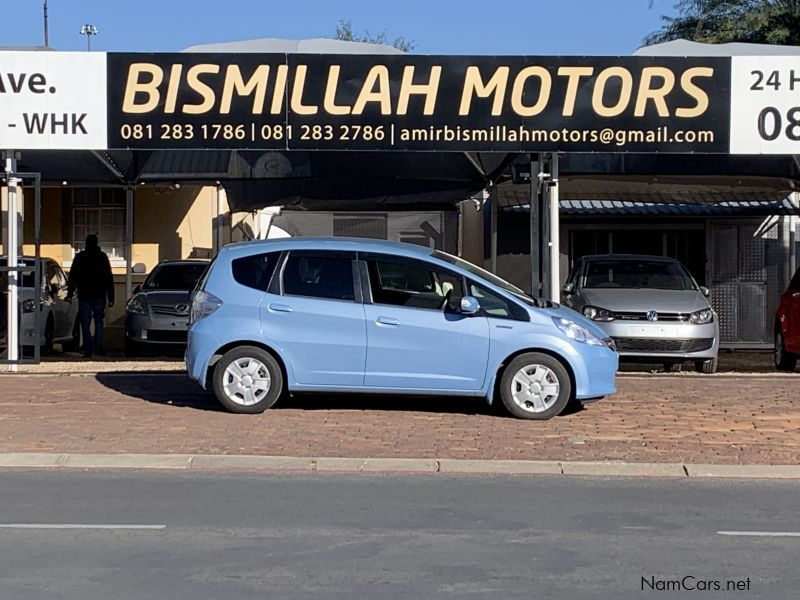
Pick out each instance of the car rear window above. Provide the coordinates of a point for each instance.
(255, 271)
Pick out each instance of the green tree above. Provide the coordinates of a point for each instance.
(344, 31)
(722, 21)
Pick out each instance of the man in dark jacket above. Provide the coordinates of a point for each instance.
(91, 276)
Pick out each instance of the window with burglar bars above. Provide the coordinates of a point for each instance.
(99, 211)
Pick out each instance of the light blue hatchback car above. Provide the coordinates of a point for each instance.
(361, 315)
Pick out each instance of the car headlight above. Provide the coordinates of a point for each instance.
(579, 333)
(595, 313)
(700, 317)
(136, 307)
(28, 306)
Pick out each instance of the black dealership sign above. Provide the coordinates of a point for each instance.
(426, 103)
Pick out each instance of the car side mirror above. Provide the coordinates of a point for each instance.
(568, 289)
(470, 305)
(705, 291)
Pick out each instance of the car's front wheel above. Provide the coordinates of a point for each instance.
(706, 366)
(535, 386)
(248, 380)
(784, 360)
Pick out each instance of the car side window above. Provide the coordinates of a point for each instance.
(494, 305)
(51, 275)
(62, 278)
(319, 275)
(255, 271)
(413, 284)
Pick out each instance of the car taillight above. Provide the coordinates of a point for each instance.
(203, 304)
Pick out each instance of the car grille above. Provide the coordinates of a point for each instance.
(169, 310)
(642, 316)
(662, 345)
(166, 335)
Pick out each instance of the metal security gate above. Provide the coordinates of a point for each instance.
(739, 283)
(20, 285)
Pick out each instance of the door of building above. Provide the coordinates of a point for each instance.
(738, 278)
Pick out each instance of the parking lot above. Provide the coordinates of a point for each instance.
(727, 418)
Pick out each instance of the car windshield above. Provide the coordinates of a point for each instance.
(181, 277)
(637, 274)
(26, 278)
(490, 277)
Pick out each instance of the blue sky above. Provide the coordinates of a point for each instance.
(612, 27)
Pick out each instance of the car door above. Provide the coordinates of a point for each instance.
(317, 317)
(792, 338)
(67, 311)
(572, 298)
(416, 337)
(50, 297)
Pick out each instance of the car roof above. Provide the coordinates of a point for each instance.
(651, 257)
(185, 261)
(351, 244)
(26, 258)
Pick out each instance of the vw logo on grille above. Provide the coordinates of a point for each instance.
(182, 308)
(652, 315)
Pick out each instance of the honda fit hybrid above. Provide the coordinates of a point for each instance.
(359, 315)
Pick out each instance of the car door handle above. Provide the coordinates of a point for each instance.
(387, 321)
(280, 308)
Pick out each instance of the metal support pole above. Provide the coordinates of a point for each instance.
(493, 231)
(533, 211)
(554, 241)
(12, 254)
(128, 243)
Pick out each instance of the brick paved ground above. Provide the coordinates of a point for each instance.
(660, 419)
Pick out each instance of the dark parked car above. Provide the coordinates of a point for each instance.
(158, 314)
(787, 327)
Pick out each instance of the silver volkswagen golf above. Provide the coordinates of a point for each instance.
(650, 305)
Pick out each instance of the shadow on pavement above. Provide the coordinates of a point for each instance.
(169, 389)
(175, 389)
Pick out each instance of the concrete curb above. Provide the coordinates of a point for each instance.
(447, 466)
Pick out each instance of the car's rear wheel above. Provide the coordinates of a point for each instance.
(535, 386)
(784, 360)
(673, 367)
(706, 366)
(248, 380)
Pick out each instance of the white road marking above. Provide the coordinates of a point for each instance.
(77, 526)
(762, 533)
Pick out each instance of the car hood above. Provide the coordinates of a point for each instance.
(642, 300)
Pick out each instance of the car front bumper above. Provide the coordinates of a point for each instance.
(664, 340)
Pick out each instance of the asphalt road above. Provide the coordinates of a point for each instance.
(230, 536)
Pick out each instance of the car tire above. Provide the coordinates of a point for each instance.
(133, 349)
(673, 367)
(549, 388)
(247, 380)
(784, 360)
(706, 366)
